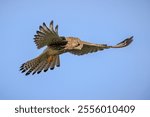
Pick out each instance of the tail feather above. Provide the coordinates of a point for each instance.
(47, 67)
(53, 61)
(29, 66)
(52, 66)
(31, 69)
(39, 64)
(58, 61)
(37, 68)
(41, 67)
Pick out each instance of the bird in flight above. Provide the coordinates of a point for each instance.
(57, 45)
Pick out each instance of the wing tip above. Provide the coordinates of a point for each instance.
(128, 40)
(44, 24)
(124, 43)
(51, 23)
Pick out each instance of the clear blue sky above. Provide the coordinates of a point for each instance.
(110, 74)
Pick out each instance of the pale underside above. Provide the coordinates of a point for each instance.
(56, 45)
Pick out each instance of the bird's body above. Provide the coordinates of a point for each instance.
(57, 45)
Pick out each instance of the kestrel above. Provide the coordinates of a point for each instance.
(56, 45)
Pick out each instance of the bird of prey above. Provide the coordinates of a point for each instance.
(57, 45)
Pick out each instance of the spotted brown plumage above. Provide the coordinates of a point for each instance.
(56, 45)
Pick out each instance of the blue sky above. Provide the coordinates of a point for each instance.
(110, 74)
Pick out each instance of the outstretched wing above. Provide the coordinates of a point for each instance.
(90, 47)
(48, 36)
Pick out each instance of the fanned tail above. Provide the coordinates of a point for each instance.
(38, 64)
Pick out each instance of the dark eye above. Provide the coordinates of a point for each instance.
(77, 45)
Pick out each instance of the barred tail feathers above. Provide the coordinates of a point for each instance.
(38, 64)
